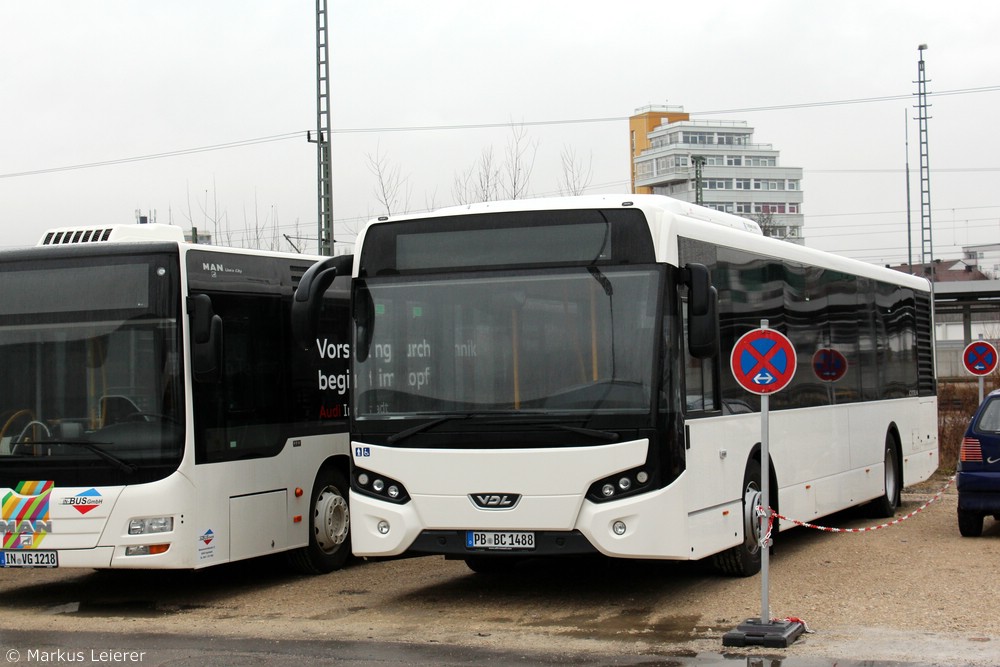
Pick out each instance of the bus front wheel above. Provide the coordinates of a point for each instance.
(329, 526)
(743, 560)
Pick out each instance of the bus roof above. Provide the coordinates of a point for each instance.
(699, 221)
(597, 201)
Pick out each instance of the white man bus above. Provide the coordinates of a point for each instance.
(156, 411)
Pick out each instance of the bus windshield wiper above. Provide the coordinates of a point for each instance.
(544, 421)
(610, 436)
(92, 447)
(406, 433)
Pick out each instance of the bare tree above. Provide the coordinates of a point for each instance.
(768, 225)
(519, 161)
(487, 180)
(461, 187)
(391, 189)
(430, 203)
(480, 182)
(259, 232)
(576, 175)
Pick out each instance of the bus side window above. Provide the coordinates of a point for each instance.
(244, 413)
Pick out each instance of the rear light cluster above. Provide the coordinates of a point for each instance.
(620, 485)
(971, 450)
(379, 486)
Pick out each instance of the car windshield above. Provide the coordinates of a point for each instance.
(90, 355)
(572, 341)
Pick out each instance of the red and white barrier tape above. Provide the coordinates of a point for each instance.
(773, 514)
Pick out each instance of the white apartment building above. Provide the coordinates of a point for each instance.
(985, 257)
(737, 175)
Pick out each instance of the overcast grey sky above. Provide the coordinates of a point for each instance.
(85, 83)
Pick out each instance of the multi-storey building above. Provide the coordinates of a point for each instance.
(985, 257)
(718, 163)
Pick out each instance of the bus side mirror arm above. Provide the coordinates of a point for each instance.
(308, 297)
(206, 339)
(703, 321)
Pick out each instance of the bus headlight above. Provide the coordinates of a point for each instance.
(621, 485)
(146, 526)
(378, 486)
(147, 550)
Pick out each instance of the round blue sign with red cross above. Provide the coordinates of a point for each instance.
(979, 357)
(763, 361)
(829, 365)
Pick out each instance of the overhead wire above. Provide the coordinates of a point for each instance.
(154, 156)
(474, 126)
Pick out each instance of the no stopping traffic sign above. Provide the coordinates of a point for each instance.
(979, 357)
(763, 361)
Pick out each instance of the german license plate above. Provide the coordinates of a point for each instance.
(29, 558)
(509, 541)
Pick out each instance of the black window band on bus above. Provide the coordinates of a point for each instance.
(508, 240)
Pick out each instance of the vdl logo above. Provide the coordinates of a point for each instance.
(495, 501)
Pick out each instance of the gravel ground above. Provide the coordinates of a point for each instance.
(915, 592)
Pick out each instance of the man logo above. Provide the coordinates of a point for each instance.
(24, 515)
(495, 501)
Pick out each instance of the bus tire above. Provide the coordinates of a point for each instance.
(970, 524)
(329, 526)
(886, 506)
(743, 560)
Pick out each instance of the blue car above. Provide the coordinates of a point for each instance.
(978, 477)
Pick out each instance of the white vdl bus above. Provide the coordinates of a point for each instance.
(155, 411)
(544, 377)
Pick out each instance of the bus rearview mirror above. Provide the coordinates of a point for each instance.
(363, 308)
(206, 339)
(702, 309)
(308, 297)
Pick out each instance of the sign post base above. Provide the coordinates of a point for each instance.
(775, 634)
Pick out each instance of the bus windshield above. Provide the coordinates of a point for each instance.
(572, 342)
(89, 350)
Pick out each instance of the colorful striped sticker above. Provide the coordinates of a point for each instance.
(29, 501)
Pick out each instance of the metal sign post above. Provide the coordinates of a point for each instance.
(763, 362)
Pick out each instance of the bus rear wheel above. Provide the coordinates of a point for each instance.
(886, 506)
(743, 560)
(329, 526)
